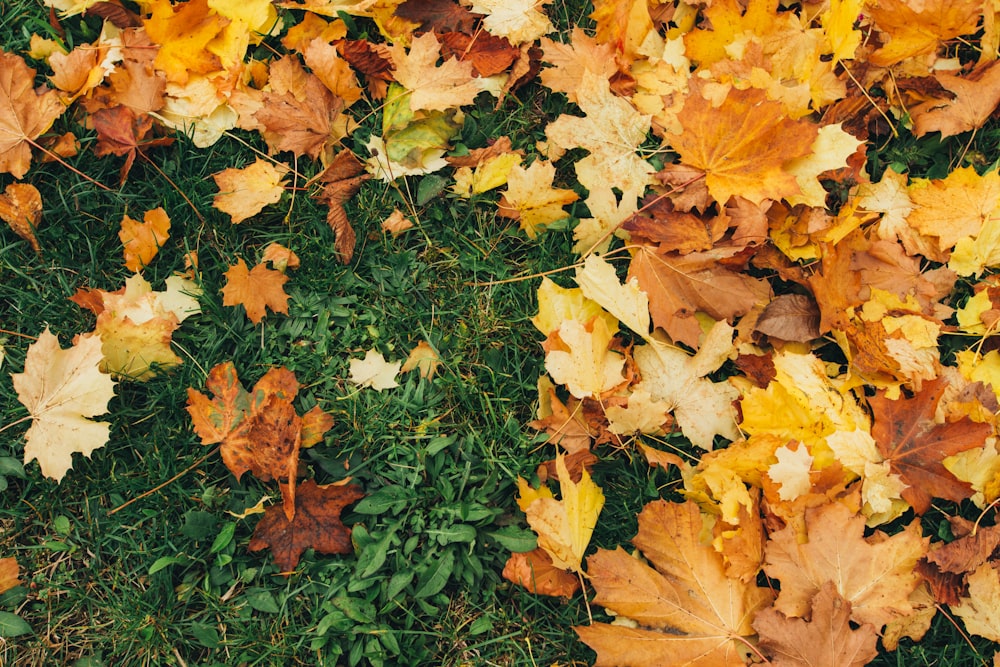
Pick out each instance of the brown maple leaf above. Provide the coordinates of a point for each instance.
(975, 98)
(679, 286)
(875, 574)
(488, 53)
(214, 419)
(440, 16)
(914, 444)
(342, 179)
(25, 113)
(122, 132)
(825, 640)
(534, 571)
(255, 290)
(317, 524)
(688, 611)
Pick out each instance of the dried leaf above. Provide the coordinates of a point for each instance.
(243, 193)
(21, 208)
(142, 240)
(25, 113)
(255, 290)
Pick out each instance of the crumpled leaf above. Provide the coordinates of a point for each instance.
(316, 524)
(21, 208)
(62, 389)
(564, 526)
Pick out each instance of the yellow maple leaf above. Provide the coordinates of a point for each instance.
(627, 302)
(556, 304)
(954, 207)
(62, 389)
(980, 609)
(564, 526)
(519, 21)
(838, 27)
(433, 87)
(243, 193)
(583, 361)
(184, 33)
(531, 199)
(142, 240)
(611, 132)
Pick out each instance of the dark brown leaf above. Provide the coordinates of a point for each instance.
(342, 180)
(792, 317)
(316, 525)
(438, 15)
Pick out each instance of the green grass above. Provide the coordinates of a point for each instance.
(122, 569)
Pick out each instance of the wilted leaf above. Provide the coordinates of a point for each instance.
(534, 571)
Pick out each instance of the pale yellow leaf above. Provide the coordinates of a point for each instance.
(374, 371)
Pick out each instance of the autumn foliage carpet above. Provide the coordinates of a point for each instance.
(496, 332)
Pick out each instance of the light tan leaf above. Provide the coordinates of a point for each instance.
(243, 193)
(423, 358)
(980, 610)
(62, 389)
(374, 371)
(433, 87)
(25, 113)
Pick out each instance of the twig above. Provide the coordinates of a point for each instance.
(166, 483)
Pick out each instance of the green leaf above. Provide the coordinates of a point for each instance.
(459, 532)
(262, 600)
(514, 538)
(199, 524)
(436, 576)
(355, 609)
(166, 561)
(224, 537)
(393, 497)
(429, 188)
(12, 625)
(206, 635)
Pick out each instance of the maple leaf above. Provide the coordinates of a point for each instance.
(909, 437)
(121, 131)
(185, 33)
(875, 574)
(825, 640)
(243, 193)
(440, 16)
(25, 113)
(979, 609)
(21, 208)
(142, 240)
(214, 419)
(300, 114)
(564, 526)
(611, 131)
(702, 408)
(975, 98)
(433, 87)
(954, 207)
(582, 360)
(688, 611)
(423, 358)
(573, 60)
(316, 524)
(531, 198)
(136, 324)
(534, 571)
(330, 68)
(678, 286)
(62, 389)
(742, 145)
(374, 371)
(488, 54)
(255, 290)
(518, 20)
(280, 257)
(918, 29)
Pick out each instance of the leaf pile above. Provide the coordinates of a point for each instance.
(782, 307)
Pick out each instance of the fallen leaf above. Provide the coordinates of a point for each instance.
(280, 257)
(423, 358)
(743, 145)
(688, 611)
(62, 389)
(341, 180)
(243, 193)
(142, 240)
(374, 371)
(431, 86)
(980, 609)
(255, 290)
(21, 208)
(975, 98)
(396, 223)
(8, 574)
(825, 640)
(316, 525)
(518, 20)
(532, 200)
(793, 317)
(122, 131)
(26, 113)
(875, 574)
(914, 444)
(564, 526)
(534, 571)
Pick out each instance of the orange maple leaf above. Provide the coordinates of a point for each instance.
(742, 145)
(688, 610)
(21, 208)
(142, 240)
(915, 444)
(255, 290)
(316, 524)
(975, 98)
(25, 113)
